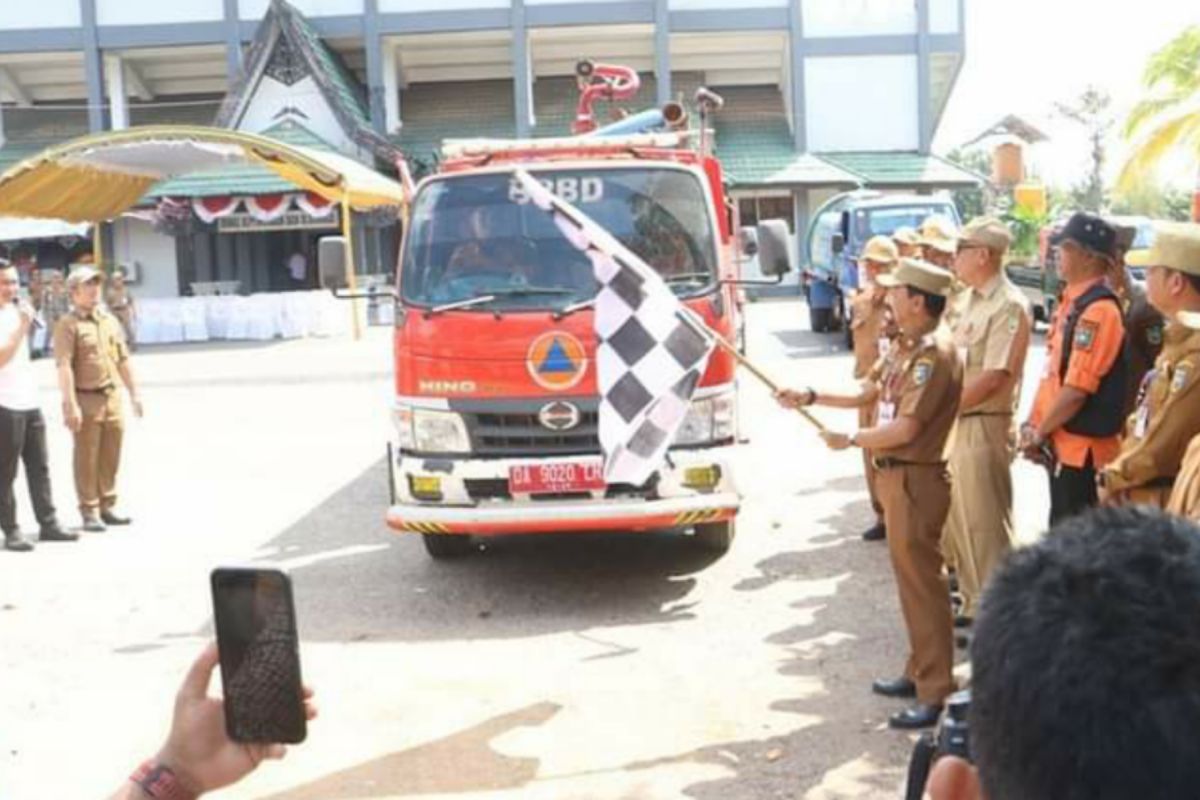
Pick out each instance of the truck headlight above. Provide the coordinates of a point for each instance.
(711, 419)
(425, 430)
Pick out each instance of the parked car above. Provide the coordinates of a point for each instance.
(839, 230)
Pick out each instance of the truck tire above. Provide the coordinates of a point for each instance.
(442, 546)
(716, 537)
(820, 319)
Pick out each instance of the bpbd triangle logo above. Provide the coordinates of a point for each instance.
(556, 361)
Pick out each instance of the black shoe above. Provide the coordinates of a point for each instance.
(55, 533)
(110, 518)
(963, 621)
(875, 533)
(899, 687)
(94, 525)
(16, 542)
(916, 717)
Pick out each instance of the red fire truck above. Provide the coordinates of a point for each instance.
(496, 406)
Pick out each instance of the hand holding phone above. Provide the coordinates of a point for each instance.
(255, 619)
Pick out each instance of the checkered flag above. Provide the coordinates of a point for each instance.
(652, 349)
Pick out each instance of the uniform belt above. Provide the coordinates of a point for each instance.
(98, 390)
(887, 462)
(987, 414)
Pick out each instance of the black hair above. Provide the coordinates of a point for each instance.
(1086, 663)
(935, 304)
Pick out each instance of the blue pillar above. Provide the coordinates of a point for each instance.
(522, 70)
(233, 41)
(924, 80)
(797, 49)
(374, 65)
(93, 67)
(662, 51)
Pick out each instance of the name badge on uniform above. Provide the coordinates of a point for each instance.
(887, 413)
(1142, 421)
(1182, 373)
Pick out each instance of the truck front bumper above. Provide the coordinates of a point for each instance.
(671, 504)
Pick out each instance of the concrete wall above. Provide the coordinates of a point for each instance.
(135, 240)
(255, 9)
(861, 103)
(15, 14)
(124, 12)
(859, 17)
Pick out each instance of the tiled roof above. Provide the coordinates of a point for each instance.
(467, 110)
(883, 169)
(283, 26)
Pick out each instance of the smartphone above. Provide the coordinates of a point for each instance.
(255, 618)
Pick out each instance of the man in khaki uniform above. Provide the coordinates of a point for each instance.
(918, 392)
(907, 241)
(938, 239)
(1168, 412)
(872, 327)
(1185, 495)
(93, 361)
(992, 336)
(1143, 324)
(120, 302)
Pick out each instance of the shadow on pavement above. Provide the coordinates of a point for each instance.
(842, 747)
(806, 344)
(462, 762)
(356, 581)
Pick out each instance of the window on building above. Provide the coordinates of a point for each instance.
(754, 210)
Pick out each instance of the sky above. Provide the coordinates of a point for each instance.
(1024, 55)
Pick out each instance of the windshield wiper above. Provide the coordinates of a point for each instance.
(687, 276)
(468, 303)
(568, 310)
(518, 291)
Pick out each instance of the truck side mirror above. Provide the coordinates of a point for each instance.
(837, 244)
(331, 262)
(748, 242)
(774, 248)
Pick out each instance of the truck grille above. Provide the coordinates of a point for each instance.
(512, 429)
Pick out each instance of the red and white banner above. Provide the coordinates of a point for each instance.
(268, 207)
(210, 209)
(314, 205)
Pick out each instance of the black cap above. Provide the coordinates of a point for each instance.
(1089, 232)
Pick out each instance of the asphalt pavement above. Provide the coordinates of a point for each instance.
(572, 666)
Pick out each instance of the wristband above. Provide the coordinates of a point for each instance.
(160, 782)
(812, 396)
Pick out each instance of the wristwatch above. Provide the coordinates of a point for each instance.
(160, 782)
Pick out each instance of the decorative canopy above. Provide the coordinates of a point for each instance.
(98, 177)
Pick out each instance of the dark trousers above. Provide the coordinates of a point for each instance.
(23, 439)
(1072, 490)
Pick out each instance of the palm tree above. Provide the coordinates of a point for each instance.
(1168, 119)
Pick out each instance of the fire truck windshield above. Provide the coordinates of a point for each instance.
(478, 235)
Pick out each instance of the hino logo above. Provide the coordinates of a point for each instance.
(559, 416)
(447, 387)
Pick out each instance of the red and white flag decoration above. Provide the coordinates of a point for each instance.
(210, 209)
(314, 205)
(268, 207)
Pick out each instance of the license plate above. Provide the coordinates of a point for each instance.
(556, 478)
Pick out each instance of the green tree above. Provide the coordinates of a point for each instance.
(1092, 111)
(1167, 120)
(975, 201)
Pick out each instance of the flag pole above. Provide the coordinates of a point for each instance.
(775, 388)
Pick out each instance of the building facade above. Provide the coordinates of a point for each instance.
(821, 95)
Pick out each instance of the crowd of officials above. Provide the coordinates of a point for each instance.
(941, 337)
(91, 354)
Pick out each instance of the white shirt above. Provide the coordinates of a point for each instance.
(298, 266)
(18, 387)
